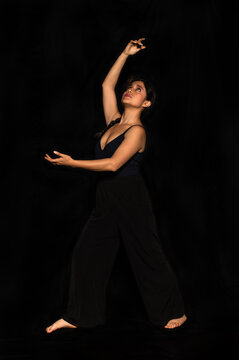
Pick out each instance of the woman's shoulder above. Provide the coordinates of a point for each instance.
(137, 126)
(135, 129)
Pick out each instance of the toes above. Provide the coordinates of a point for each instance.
(49, 329)
(172, 325)
(57, 325)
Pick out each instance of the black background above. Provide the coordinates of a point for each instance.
(55, 55)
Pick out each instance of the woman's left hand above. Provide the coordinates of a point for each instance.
(63, 159)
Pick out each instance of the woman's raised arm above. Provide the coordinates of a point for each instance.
(110, 106)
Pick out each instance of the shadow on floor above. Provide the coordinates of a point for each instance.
(125, 340)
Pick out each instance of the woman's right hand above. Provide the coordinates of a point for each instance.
(132, 48)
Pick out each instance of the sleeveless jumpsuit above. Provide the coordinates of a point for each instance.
(122, 212)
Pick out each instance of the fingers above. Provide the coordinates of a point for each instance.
(141, 47)
(53, 161)
(58, 153)
(138, 43)
(55, 152)
(139, 39)
(63, 159)
(48, 158)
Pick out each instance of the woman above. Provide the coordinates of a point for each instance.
(122, 212)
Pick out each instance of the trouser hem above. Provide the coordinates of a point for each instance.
(82, 324)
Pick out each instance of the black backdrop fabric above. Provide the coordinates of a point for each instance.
(55, 55)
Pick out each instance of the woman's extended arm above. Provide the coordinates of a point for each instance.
(109, 98)
(105, 164)
(113, 75)
(131, 49)
(131, 144)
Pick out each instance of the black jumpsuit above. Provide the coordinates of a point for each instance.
(122, 212)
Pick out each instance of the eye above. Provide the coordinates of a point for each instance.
(138, 88)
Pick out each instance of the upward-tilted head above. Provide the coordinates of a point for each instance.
(138, 92)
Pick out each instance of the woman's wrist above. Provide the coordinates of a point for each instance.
(73, 163)
(125, 54)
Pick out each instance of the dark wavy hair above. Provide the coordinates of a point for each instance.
(150, 91)
(150, 95)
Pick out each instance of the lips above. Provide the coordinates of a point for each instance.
(127, 95)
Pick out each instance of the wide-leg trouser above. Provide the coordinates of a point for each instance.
(122, 212)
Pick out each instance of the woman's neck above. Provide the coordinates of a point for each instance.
(129, 118)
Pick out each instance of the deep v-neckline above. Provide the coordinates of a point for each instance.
(117, 138)
(110, 141)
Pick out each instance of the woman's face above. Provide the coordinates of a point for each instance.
(135, 95)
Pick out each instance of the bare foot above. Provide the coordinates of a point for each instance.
(176, 322)
(58, 325)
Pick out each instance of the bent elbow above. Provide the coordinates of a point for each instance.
(114, 166)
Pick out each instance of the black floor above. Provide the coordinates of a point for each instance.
(127, 334)
(125, 340)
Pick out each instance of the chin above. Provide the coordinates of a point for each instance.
(126, 101)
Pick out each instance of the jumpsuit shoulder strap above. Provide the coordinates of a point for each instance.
(132, 126)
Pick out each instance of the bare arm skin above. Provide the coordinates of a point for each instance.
(129, 146)
(94, 165)
(110, 106)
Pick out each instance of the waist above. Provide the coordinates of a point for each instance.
(115, 178)
(121, 173)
